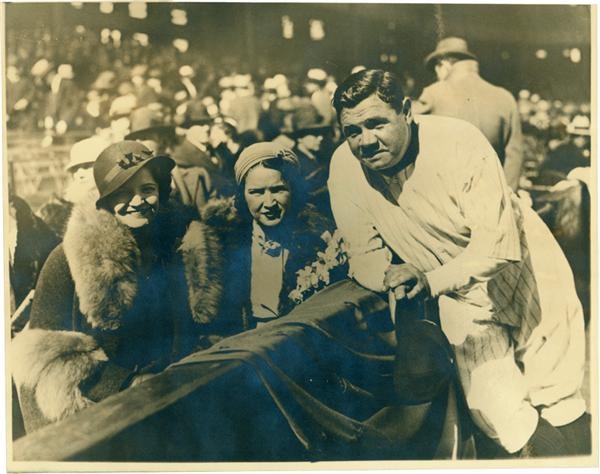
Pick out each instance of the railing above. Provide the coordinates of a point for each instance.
(173, 416)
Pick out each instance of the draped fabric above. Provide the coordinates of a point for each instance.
(315, 385)
(328, 374)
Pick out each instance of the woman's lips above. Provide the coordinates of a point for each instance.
(273, 214)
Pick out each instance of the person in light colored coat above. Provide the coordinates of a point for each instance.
(462, 93)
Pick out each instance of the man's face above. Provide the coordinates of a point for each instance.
(82, 184)
(311, 142)
(378, 135)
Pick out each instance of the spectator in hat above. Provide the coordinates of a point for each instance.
(462, 93)
(272, 238)
(64, 101)
(130, 290)
(313, 147)
(200, 172)
(315, 87)
(149, 125)
(81, 187)
(245, 107)
(227, 143)
(573, 152)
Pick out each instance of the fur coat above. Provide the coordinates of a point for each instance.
(304, 240)
(98, 319)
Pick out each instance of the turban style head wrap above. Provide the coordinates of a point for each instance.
(259, 152)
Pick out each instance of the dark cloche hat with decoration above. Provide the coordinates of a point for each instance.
(118, 163)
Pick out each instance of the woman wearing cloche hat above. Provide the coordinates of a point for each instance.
(128, 291)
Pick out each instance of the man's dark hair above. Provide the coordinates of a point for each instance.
(363, 84)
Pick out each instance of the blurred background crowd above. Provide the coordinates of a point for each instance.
(203, 81)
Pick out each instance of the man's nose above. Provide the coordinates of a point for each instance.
(367, 139)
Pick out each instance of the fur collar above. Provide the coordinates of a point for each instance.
(103, 257)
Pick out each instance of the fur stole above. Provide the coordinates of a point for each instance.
(53, 364)
(104, 258)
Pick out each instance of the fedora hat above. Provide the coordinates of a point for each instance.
(451, 46)
(149, 123)
(306, 120)
(118, 163)
(580, 125)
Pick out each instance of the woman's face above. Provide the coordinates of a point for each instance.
(267, 195)
(135, 204)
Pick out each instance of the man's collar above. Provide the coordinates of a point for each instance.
(464, 67)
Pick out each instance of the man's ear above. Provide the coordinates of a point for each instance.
(407, 109)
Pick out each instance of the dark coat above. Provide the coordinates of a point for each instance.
(304, 241)
(55, 213)
(33, 242)
(98, 319)
(315, 171)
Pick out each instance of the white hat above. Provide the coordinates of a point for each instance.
(240, 80)
(122, 105)
(139, 70)
(65, 71)
(86, 151)
(226, 82)
(316, 74)
(40, 67)
(270, 84)
(279, 79)
(580, 125)
(186, 71)
(357, 68)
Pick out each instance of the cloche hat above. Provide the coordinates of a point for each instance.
(118, 163)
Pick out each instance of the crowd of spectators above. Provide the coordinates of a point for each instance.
(548, 126)
(79, 80)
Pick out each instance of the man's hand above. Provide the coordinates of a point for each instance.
(138, 379)
(406, 281)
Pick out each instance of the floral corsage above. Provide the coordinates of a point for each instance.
(330, 266)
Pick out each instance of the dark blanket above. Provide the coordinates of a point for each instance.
(315, 385)
(319, 387)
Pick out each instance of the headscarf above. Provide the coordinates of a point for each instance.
(259, 152)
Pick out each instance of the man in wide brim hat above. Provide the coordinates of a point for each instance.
(306, 120)
(147, 124)
(462, 93)
(451, 46)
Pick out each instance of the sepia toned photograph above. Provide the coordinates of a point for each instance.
(299, 235)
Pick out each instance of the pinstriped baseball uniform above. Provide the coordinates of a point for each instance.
(506, 292)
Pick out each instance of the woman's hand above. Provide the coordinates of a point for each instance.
(406, 281)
